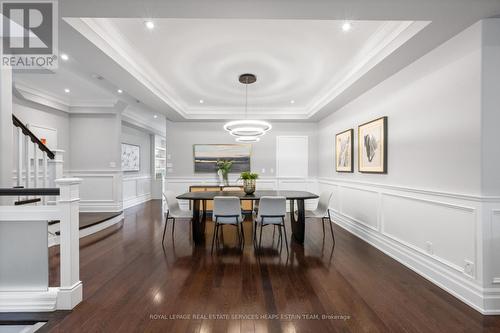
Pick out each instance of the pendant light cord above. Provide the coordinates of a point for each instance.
(246, 98)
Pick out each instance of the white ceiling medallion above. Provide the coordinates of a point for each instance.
(247, 130)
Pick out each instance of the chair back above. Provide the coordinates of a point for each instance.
(272, 206)
(172, 202)
(232, 189)
(324, 202)
(226, 208)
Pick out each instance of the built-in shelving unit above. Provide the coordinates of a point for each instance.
(160, 156)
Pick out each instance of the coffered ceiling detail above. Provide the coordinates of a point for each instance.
(193, 65)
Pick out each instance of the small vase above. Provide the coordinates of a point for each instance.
(249, 186)
(225, 178)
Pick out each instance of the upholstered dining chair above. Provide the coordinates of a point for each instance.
(322, 211)
(227, 211)
(272, 211)
(174, 212)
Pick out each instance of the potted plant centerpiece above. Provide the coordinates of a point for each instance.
(249, 180)
(223, 168)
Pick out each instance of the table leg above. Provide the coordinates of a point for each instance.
(198, 224)
(298, 223)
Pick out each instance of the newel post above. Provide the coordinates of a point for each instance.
(70, 292)
(57, 164)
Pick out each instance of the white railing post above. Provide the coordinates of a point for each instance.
(27, 162)
(57, 164)
(70, 292)
(56, 170)
(45, 175)
(35, 166)
(20, 143)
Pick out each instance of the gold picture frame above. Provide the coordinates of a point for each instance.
(344, 151)
(372, 146)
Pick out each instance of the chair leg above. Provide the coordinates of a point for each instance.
(274, 229)
(213, 238)
(280, 239)
(164, 230)
(286, 240)
(323, 225)
(173, 226)
(331, 226)
(242, 234)
(260, 239)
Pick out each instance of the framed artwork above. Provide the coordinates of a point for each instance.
(131, 157)
(344, 151)
(372, 146)
(206, 156)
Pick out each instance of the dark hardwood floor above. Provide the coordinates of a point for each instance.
(132, 284)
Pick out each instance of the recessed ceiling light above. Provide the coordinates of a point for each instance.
(64, 56)
(155, 116)
(119, 91)
(292, 102)
(202, 101)
(346, 26)
(67, 91)
(149, 24)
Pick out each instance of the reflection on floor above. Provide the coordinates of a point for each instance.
(133, 284)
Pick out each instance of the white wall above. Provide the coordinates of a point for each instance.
(181, 136)
(428, 211)
(137, 184)
(95, 156)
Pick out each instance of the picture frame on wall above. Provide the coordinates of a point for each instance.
(344, 151)
(206, 156)
(131, 157)
(372, 146)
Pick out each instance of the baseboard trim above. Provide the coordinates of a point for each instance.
(29, 301)
(487, 302)
(131, 202)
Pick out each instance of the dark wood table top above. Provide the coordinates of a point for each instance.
(209, 195)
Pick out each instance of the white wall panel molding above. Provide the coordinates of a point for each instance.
(461, 196)
(438, 235)
(136, 189)
(100, 190)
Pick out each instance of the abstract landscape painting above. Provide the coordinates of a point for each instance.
(206, 157)
(344, 151)
(372, 146)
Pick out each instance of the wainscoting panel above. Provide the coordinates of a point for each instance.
(360, 205)
(438, 235)
(99, 190)
(426, 225)
(136, 190)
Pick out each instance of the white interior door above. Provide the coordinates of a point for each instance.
(292, 156)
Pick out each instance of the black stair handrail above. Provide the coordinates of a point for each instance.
(14, 192)
(33, 137)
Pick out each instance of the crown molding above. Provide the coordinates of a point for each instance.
(41, 97)
(109, 40)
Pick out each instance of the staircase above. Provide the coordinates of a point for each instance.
(36, 166)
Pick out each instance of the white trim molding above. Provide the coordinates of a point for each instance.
(448, 238)
(136, 189)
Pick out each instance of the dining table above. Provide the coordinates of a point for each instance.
(297, 216)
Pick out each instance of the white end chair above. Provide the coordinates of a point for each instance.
(173, 212)
(227, 211)
(272, 211)
(322, 211)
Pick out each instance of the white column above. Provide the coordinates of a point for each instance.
(6, 131)
(71, 289)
